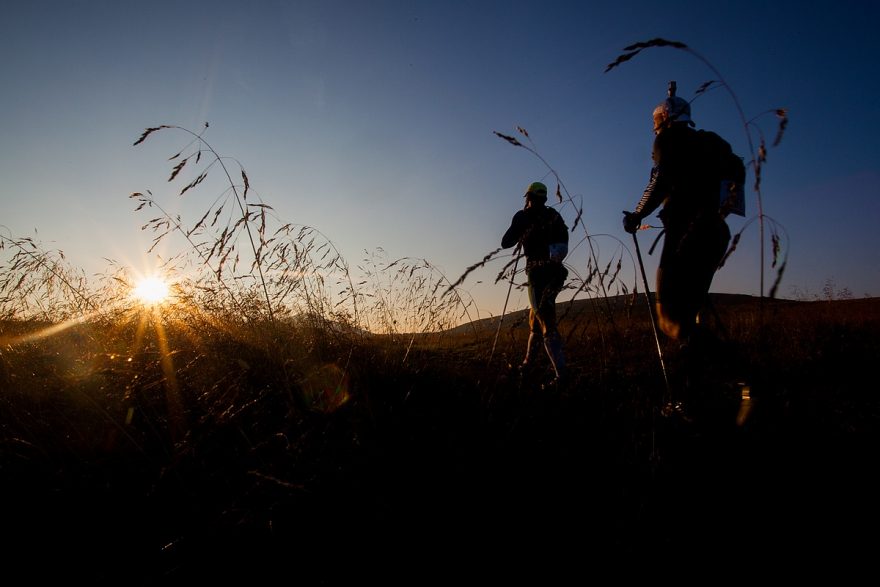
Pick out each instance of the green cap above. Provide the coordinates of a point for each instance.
(537, 188)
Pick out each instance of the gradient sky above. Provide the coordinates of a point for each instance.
(373, 122)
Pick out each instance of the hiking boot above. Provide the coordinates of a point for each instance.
(524, 369)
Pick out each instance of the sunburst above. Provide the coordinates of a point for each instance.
(151, 291)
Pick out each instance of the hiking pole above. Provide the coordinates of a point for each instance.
(504, 311)
(653, 319)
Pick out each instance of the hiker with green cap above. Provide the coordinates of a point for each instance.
(543, 236)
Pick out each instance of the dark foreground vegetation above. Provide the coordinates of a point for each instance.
(200, 452)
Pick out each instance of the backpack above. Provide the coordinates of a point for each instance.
(556, 233)
(730, 172)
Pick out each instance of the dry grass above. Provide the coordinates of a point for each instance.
(197, 448)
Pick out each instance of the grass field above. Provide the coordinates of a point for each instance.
(284, 416)
(171, 452)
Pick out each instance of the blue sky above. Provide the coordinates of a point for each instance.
(373, 122)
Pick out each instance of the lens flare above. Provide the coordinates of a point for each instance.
(326, 388)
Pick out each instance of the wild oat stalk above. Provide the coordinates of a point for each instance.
(757, 159)
(777, 233)
(249, 213)
(488, 257)
(167, 223)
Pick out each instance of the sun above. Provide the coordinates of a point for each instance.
(151, 290)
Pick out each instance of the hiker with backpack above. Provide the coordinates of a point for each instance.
(689, 168)
(543, 235)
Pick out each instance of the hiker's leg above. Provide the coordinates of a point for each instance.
(552, 338)
(531, 345)
(553, 346)
(668, 302)
(535, 327)
(702, 253)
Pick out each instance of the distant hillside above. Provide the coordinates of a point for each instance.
(722, 302)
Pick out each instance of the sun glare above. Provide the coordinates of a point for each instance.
(151, 290)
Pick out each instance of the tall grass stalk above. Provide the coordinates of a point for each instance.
(247, 216)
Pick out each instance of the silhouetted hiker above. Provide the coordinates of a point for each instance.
(685, 180)
(544, 238)
(691, 179)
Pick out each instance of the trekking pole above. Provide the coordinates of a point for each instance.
(504, 311)
(653, 319)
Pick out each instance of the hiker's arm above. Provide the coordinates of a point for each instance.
(653, 195)
(657, 189)
(515, 232)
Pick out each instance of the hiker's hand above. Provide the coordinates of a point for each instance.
(631, 222)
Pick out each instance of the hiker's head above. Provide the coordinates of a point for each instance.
(671, 110)
(536, 193)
